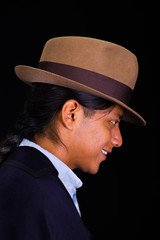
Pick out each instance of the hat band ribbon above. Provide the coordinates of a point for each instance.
(97, 81)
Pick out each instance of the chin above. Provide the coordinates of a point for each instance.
(91, 169)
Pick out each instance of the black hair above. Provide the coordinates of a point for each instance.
(44, 102)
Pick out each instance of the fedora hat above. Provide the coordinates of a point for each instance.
(94, 66)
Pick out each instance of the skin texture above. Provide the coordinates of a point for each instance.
(83, 137)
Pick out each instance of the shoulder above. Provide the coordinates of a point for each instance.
(27, 172)
(33, 194)
(27, 165)
(30, 160)
(27, 176)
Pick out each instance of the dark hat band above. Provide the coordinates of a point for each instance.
(99, 82)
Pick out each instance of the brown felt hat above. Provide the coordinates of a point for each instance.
(97, 67)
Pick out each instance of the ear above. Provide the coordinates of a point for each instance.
(71, 113)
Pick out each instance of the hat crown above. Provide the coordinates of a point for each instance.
(99, 56)
(94, 66)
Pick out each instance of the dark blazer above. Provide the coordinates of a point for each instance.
(34, 204)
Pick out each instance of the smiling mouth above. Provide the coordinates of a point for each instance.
(104, 152)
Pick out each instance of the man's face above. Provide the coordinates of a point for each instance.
(94, 137)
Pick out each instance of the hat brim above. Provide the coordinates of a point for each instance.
(31, 75)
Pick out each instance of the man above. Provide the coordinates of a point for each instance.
(80, 92)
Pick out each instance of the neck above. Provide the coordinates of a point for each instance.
(58, 150)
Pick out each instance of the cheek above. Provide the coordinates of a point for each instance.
(101, 135)
(94, 140)
(91, 155)
(89, 144)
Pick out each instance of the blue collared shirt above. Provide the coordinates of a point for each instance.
(65, 174)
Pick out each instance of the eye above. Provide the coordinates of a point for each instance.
(114, 122)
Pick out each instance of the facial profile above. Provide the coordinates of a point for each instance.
(88, 140)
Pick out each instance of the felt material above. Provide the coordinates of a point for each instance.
(89, 78)
(91, 55)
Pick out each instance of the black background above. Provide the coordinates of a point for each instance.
(122, 200)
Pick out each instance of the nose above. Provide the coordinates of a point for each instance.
(116, 140)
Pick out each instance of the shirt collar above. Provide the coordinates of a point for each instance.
(65, 174)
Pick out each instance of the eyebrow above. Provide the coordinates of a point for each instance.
(119, 115)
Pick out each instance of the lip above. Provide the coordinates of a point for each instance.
(108, 151)
(105, 156)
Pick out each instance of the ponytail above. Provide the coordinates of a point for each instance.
(21, 130)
